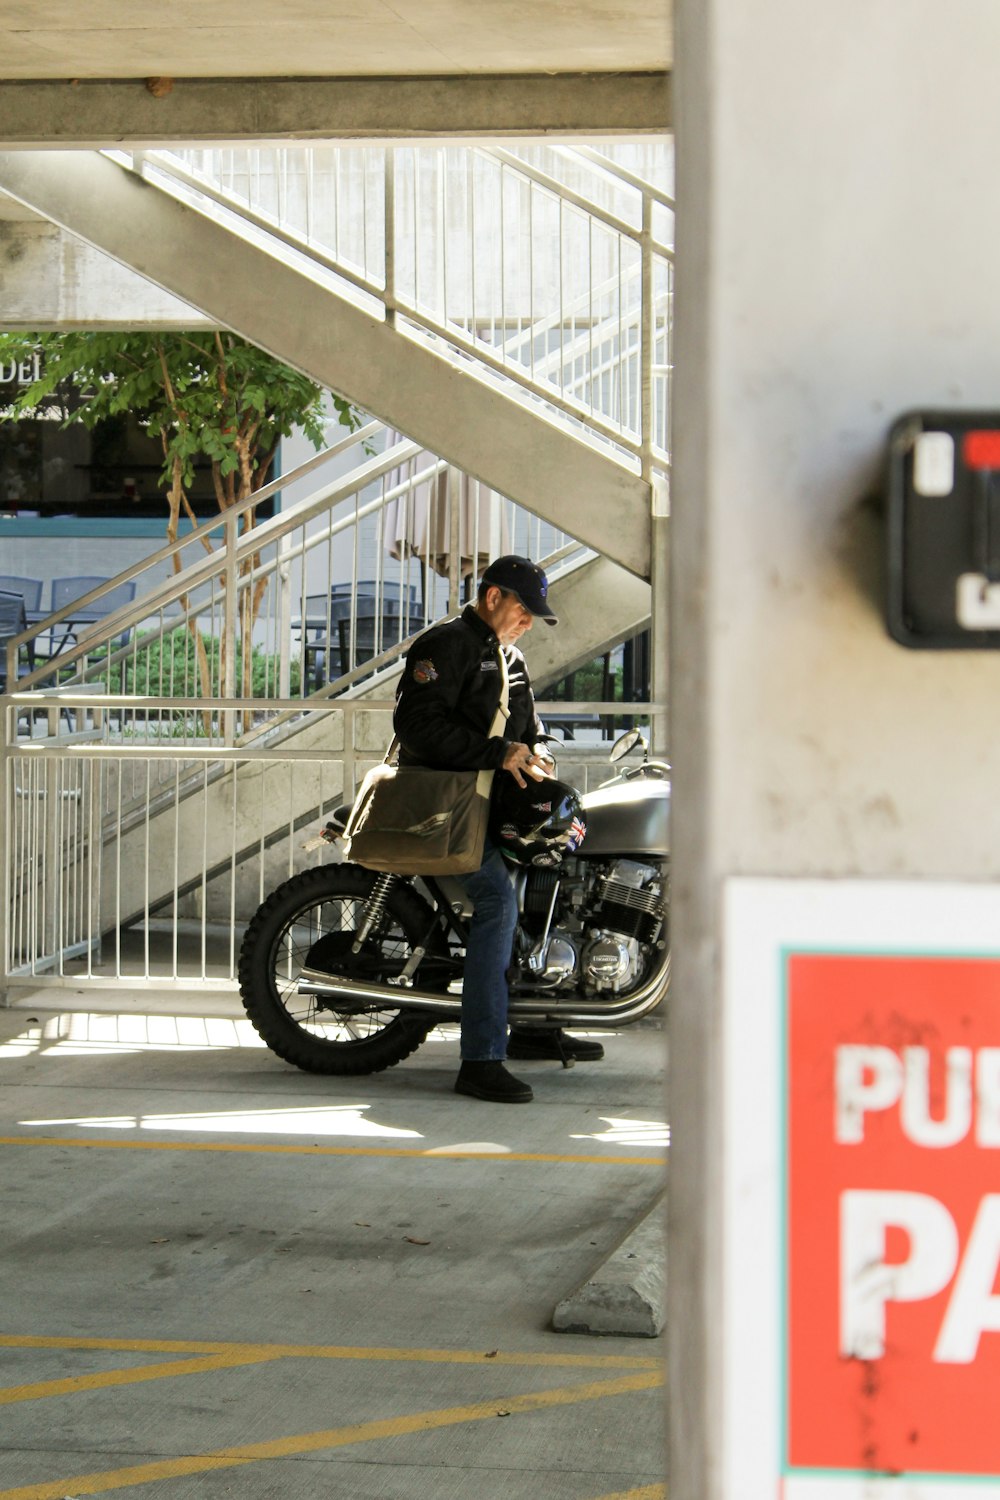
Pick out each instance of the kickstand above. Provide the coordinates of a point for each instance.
(566, 1058)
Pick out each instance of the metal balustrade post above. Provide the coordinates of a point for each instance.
(8, 733)
(284, 621)
(659, 625)
(389, 190)
(229, 623)
(454, 491)
(646, 340)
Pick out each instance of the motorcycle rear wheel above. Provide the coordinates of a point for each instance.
(312, 916)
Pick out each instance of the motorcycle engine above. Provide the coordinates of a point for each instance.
(595, 924)
(625, 921)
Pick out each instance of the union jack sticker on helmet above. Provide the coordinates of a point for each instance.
(575, 836)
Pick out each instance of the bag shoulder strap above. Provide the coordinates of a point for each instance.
(503, 707)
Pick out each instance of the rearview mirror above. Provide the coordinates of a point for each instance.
(627, 742)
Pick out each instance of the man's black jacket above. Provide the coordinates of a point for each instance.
(449, 694)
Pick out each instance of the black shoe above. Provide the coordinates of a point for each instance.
(528, 1043)
(490, 1080)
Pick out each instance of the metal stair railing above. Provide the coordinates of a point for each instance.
(317, 571)
(480, 250)
(159, 902)
(67, 666)
(149, 785)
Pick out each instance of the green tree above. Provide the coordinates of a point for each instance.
(204, 396)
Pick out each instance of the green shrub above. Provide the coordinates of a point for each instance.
(167, 667)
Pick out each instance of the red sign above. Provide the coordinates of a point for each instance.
(893, 1243)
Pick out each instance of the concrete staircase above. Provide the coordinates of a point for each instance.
(510, 442)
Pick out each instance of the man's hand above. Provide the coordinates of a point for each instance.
(521, 759)
(546, 757)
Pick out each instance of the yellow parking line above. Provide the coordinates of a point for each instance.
(432, 1154)
(252, 1352)
(645, 1492)
(73, 1383)
(334, 1437)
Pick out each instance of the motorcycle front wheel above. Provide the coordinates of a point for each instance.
(311, 920)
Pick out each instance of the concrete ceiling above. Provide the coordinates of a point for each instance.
(109, 39)
(97, 73)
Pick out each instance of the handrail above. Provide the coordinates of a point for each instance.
(238, 546)
(166, 165)
(186, 581)
(571, 385)
(614, 169)
(590, 351)
(250, 558)
(560, 190)
(170, 550)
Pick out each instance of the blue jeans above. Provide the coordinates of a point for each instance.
(487, 955)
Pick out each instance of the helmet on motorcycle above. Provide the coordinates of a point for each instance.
(535, 824)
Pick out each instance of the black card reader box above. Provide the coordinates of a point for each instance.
(944, 530)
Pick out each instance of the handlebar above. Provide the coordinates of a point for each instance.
(655, 770)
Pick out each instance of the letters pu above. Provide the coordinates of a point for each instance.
(870, 1080)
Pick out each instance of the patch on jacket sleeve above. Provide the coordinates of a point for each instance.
(425, 671)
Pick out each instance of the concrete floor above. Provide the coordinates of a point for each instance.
(226, 1277)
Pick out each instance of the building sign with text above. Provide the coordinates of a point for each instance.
(882, 1342)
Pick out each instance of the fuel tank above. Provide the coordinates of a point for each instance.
(630, 818)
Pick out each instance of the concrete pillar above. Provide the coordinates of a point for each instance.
(838, 265)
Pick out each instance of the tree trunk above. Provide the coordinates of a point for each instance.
(175, 499)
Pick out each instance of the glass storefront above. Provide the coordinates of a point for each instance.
(51, 470)
(54, 470)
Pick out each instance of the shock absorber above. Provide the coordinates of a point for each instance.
(374, 907)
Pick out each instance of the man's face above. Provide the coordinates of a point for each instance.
(506, 616)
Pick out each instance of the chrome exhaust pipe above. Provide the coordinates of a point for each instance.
(573, 1010)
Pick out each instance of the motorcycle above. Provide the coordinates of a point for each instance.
(344, 970)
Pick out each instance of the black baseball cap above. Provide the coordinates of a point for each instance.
(525, 579)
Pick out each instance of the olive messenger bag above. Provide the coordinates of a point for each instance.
(413, 820)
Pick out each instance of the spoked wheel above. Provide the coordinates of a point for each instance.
(311, 921)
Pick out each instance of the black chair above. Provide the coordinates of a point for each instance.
(400, 617)
(313, 627)
(636, 673)
(66, 590)
(30, 590)
(391, 594)
(367, 638)
(12, 622)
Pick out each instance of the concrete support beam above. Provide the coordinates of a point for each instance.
(124, 113)
(476, 426)
(51, 280)
(806, 743)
